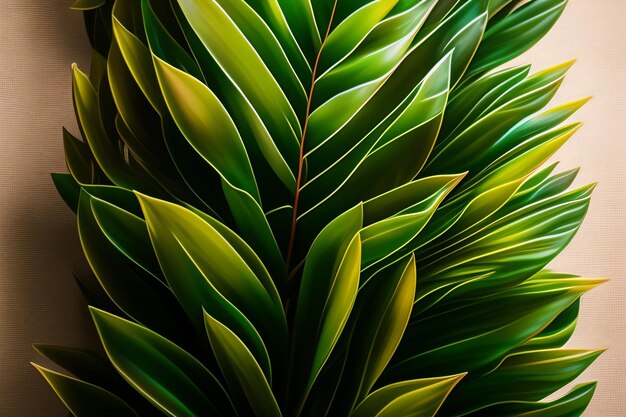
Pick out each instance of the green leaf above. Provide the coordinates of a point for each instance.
(235, 55)
(379, 320)
(324, 144)
(329, 286)
(573, 404)
(339, 303)
(415, 127)
(516, 33)
(78, 158)
(206, 125)
(128, 233)
(558, 333)
(261, 139)
(545, 120)
(411, 195)
(95, 368)
(507, 251)
(242, 372)
(414, 398)
(342, 108)
(84, 399)
(255, 229)
(118, 196)
(496, 5)
(300, 20)
(470, 102)
(267, 46)
(87, 4)
(205, 271)
(164, 46)
(273, 15)
(170, 378)
(380, 51)
(86, 365)
(350, 32)
(95, 295)
(383, 239)
(460, 219)
(393, 309)
(138, 294)
(136, 55)
(484, 329)
(189, 163)
(138, 124)
(327, 386)
(241, 246)
(105, 152)
(68, 188)
(97, 68)
(491, 135)
(525, 376)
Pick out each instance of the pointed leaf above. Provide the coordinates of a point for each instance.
(414, 398)
(383, 239)
(350, 32)
(205, 271)
(328, 290)
(573, 404)
(381, 315)
(516, 33)
(526, 376)
(206, 125)
(242, 372)
(236, 56)
(68, 188)
(105, 152)
(138, 294)
(86, 365)
(87, 4)
(170, 378)
(84, 399)
(483, 329)
(136, 55)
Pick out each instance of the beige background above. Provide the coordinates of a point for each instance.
(38, 246)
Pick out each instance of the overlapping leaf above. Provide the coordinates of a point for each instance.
(345, 196)
(170, 378)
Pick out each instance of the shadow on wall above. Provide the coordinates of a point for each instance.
(39, 247)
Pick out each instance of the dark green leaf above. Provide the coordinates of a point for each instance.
(84, 399)
(166, 375)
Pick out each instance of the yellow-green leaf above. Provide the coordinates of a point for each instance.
(414, 398)
(84, 399)
(242, 372)
(328, 290)
(206, 272)
(207, 125)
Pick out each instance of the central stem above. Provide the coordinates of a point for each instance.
(292, 235)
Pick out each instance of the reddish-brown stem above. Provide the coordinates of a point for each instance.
(292, 235)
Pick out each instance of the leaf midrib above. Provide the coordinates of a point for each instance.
(294, 219)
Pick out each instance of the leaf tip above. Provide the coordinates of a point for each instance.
(97, 315)
(585, 100)
(38, 347)
(592, 186)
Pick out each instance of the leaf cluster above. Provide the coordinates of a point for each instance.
(322, 208)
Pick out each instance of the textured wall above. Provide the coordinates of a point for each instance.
(38, 246)
(594, 32)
